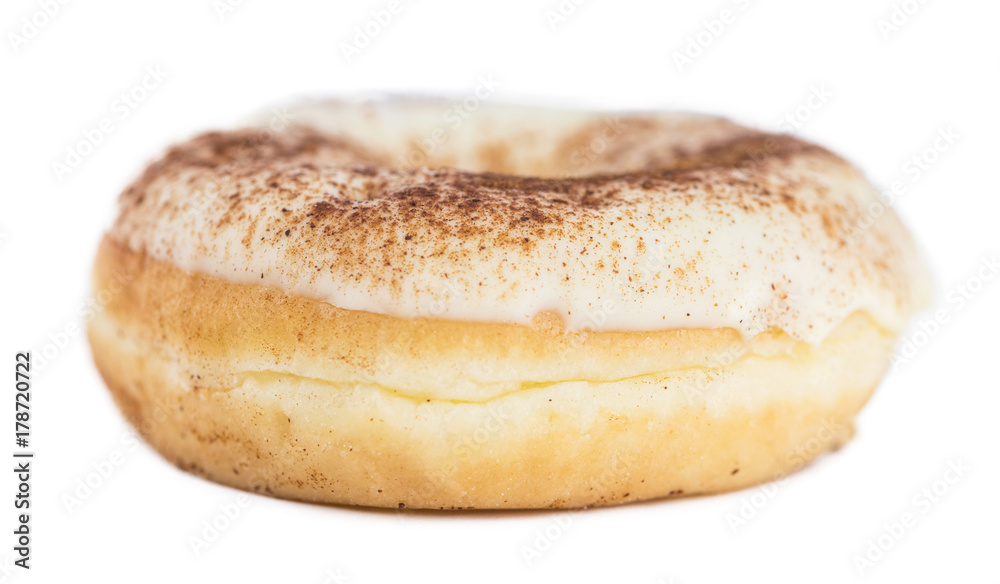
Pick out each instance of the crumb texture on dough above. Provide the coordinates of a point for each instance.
(296, 398)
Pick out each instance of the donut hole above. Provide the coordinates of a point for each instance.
(516, 140)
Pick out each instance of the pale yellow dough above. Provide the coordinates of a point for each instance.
(292, 397)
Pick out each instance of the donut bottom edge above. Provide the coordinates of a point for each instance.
(239, 439)
(567, 444)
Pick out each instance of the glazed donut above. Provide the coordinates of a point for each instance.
(387, 304)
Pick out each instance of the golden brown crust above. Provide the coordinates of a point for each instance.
(286, 395)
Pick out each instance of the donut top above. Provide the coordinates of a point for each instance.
(610, 221)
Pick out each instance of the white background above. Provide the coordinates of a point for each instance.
(891, 92)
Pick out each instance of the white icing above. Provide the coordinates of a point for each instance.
(727, 262)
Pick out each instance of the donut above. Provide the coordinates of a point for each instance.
(389, 304)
